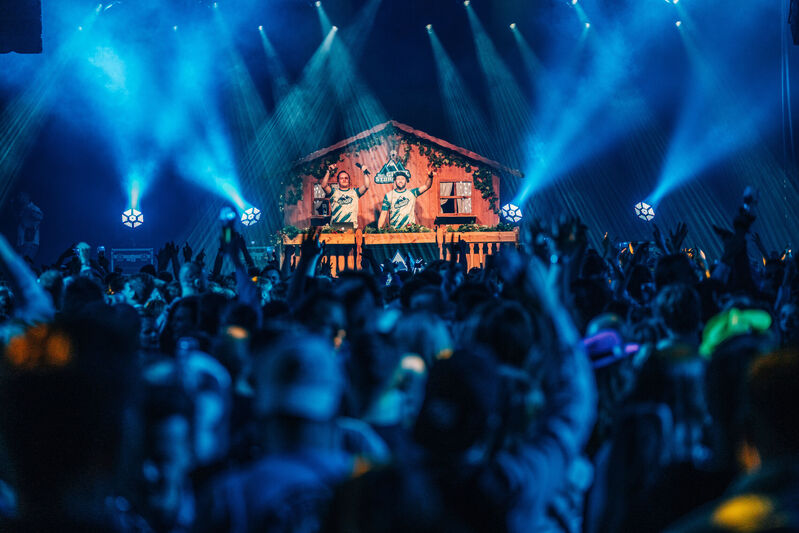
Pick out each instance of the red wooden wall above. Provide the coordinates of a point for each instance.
(427, 205)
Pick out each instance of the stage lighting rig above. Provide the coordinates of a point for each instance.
(511, 213)
(132, 218)
(251, 216)
(644, 211)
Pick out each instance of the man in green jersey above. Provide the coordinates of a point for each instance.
(400, 202)
(344, 199)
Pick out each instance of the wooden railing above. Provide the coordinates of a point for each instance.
(344, 249)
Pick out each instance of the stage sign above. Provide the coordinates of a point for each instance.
(130, 260)
(405, 255)
(389, 170)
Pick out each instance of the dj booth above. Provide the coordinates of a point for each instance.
(344, 250)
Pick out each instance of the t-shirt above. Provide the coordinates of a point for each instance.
(344, 206)
(402, 205)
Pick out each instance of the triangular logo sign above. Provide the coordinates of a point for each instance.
(389, 170)
(399, 261)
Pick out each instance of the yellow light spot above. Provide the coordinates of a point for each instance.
(339, 340)
(59, 350)
(630, 247)
(18, 351)
(444, 354)
(360, 467)
(237, 332)
(414, 363)
(744, 513)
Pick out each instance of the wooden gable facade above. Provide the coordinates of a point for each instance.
(465, 185)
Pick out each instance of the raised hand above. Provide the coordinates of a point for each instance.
(570, 235)
(200, 259)
(83, 250)
(311, 245)
(187, 253)
(162, 257)
(677, 237)
(660, 241)
(759, 244)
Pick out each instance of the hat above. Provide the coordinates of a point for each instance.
(606, 348)
(732, 323)
(404, 173)
(299, 376)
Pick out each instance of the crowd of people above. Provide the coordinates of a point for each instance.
(556, 388)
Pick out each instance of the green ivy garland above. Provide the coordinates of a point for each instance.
(471, 228)
(482, 176)
(410, 228)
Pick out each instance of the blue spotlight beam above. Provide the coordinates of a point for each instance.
(324, 21)
(280, 81)
(715, 121)
(301, 119)
(357, 33)
(463, 114)
(585, 99)
(22, 119)
(360, 108)
(509, 108)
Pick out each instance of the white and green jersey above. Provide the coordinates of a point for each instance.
(344, 206)
(402, 207)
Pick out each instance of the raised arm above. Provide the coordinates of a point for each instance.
(362, 190)
(429, 183)
(325, 183)
(538, 466)
(32, 303)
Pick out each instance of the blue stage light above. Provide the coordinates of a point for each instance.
(513, 26)
(260, 28)
(587, 25)
(251, 216)
(132, 218)
(644, 211)
(678, 23)
(429, 28)
(511, 213)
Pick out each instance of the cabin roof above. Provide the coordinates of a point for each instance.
(417, 133)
